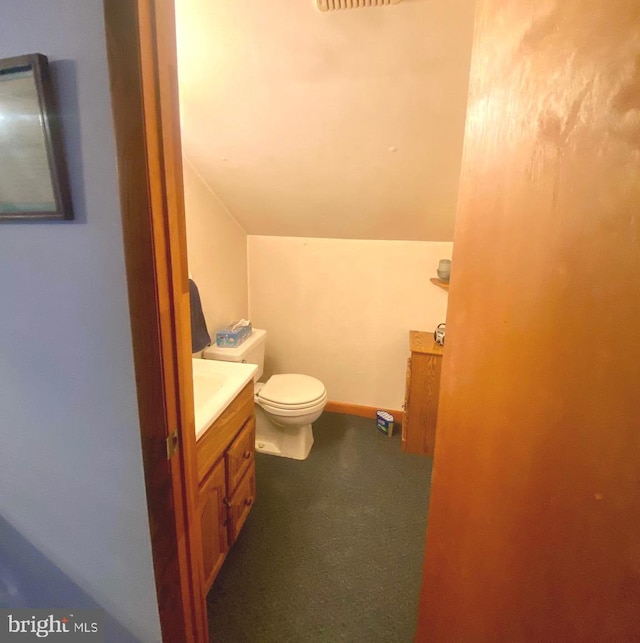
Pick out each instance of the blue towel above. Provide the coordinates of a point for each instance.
(199, 335)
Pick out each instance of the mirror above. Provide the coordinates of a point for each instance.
(33, 174)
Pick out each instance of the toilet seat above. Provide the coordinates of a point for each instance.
(291, 392)
(282, 411)
(292, 407)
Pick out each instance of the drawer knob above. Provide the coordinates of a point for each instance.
(246, 455)
(248, 502)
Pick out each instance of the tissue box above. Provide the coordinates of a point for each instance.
(233, 335)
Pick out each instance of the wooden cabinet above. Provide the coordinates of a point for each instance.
(227, 480)
(421, 394)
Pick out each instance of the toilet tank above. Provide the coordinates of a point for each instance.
(251, 351)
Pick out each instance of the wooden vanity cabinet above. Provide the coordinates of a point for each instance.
(227, 480)
(421, 394)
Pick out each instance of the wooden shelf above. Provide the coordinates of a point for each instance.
(441, 284)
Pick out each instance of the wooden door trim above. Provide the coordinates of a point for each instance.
(142, 67)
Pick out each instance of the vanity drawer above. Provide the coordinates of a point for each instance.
(241, 502)
(241, 454)
(212, 445)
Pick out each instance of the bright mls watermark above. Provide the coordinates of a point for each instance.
(51, 625)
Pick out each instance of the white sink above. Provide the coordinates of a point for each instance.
(215, 386)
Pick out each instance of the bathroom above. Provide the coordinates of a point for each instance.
(321, 180)
(320, 206)
(539, 484)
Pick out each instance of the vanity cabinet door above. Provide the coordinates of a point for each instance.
(213, 521)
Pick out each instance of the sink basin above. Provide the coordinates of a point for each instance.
(215, 386)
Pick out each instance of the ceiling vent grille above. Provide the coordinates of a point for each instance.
(330, 5)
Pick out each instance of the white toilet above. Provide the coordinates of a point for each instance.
(286, 405)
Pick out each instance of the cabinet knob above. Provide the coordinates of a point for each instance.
(246, 455)
(248, 502)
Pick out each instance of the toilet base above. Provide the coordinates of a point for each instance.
(284, 441)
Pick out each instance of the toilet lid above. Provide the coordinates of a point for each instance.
(292, 389)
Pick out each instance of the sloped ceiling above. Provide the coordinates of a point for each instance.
(345, 124)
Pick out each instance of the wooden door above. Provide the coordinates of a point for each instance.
(142, 68)
(213, 522)
(534, 525)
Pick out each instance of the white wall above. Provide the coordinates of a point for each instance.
(344, 124)
(71, 476)
(341, 310)
(217, 253)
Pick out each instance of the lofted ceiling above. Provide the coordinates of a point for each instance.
(344, 124)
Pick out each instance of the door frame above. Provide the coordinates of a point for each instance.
(141, 51)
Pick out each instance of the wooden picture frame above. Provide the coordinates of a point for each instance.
(34, 180)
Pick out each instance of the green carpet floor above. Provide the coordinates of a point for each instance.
(332, 550)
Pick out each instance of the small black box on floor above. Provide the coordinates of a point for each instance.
(384, 423)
